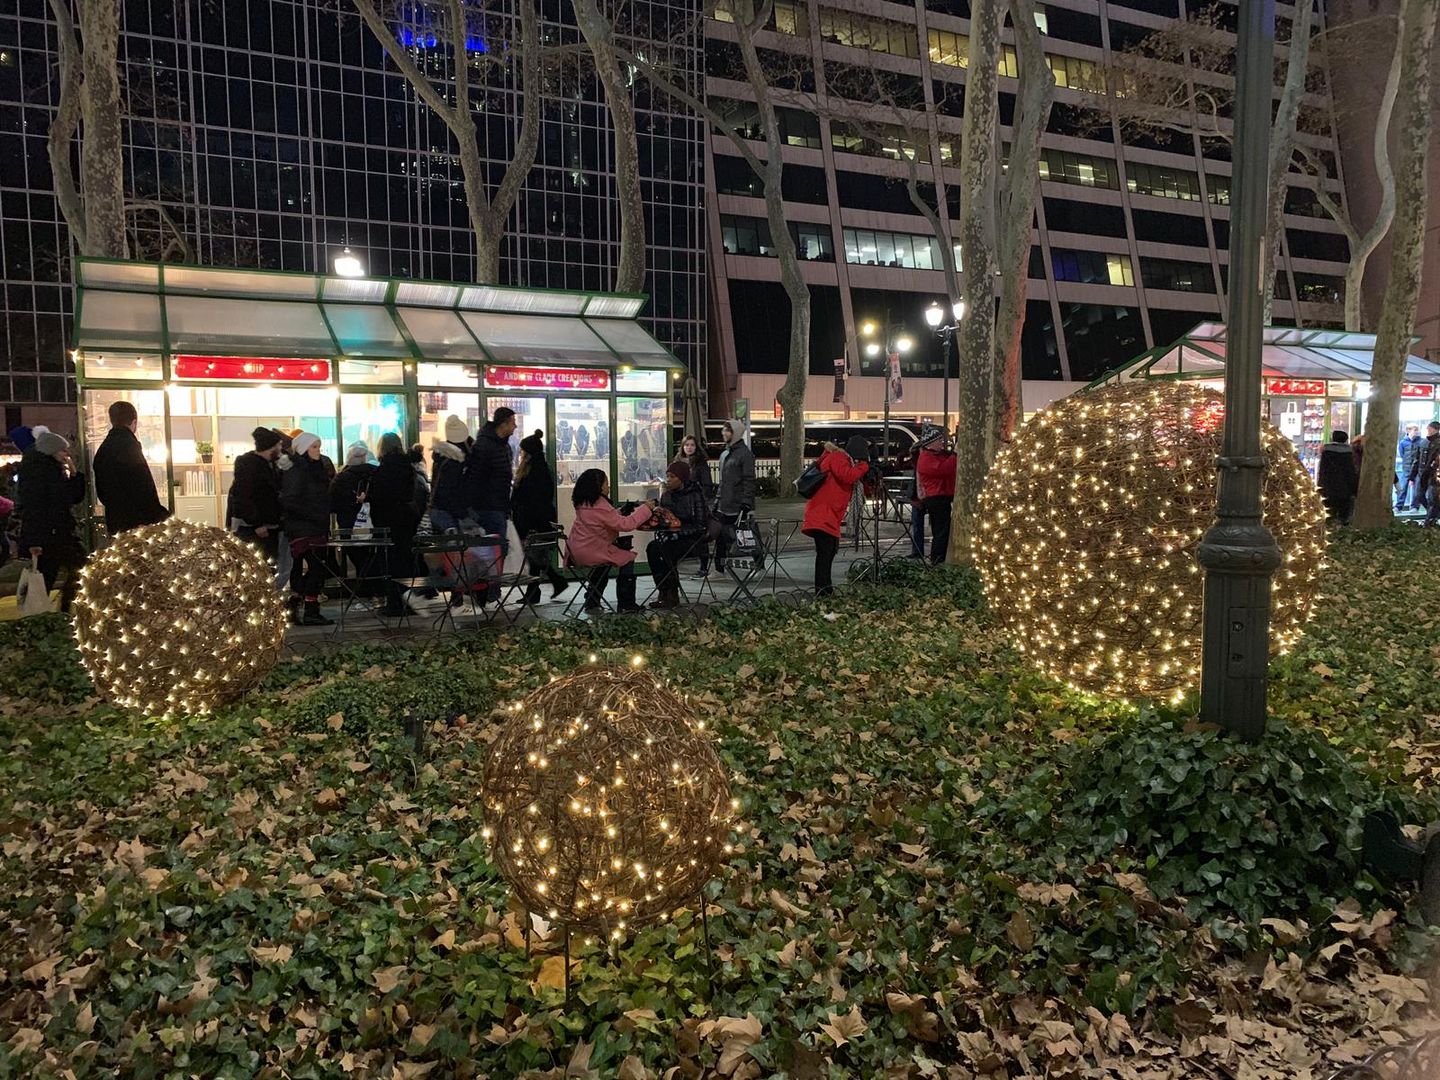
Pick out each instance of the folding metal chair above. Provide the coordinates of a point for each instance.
(465, 574)
(538, 549)
(586, 576)
(745, 562)
(368, 550)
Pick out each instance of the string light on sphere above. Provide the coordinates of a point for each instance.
(605, 804)
(1088, 528)
(177, 618)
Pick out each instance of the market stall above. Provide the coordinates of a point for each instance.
(1316, 381)
(206, 355)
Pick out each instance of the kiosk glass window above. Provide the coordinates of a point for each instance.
(436, 405)
(448, 376)
(643, 447)
(127, 366)
(439, 334)
(365, 331)
(202, 323)
(372, 372)
(529, 418)
(150, 404)
(366, 417)
(119, 320)
(582, 441)
(530, 339)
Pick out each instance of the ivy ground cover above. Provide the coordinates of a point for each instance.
(949, 867)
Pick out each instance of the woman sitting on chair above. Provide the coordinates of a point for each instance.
(594, 536)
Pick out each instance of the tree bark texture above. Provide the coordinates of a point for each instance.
(598, 32)
(1282, 143)
(65, 125)
(1402, 291)
(1016, 211)
(978, 169)
(102, 156)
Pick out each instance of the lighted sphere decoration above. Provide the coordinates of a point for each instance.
(1088, 528)
(605, 803)
(177, 618)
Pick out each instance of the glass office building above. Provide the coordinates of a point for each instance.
(275, 133)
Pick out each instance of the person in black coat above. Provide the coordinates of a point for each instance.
(1338, 477)
(393, 506)
(252, 508)
(349, 491)
(305, 513)
(685, 498)
(49, 490)
(449, 497)
(488, 473)
(532, 507)
(123, 481)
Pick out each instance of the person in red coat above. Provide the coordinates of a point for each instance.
(826, 508)
(936, 471)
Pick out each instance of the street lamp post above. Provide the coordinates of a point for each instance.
(935, 315)
(896, 343)
(1238, 552)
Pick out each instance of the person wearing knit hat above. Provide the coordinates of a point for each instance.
(252, 510)
(348, 492)
(23, 438)
(532, 510)
(449, 501)
(357, 453)
(50, 487)
(684, 498)
(305, 520)
(456, 430)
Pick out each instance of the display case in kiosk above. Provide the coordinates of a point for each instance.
(206, 355)
(1316, 381)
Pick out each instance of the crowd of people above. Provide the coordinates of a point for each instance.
(288, 499)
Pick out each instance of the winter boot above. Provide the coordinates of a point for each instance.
(669, 598)
(625, 595)
(312, 616)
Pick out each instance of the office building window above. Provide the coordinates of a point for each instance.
(1305, 244)
(868, 32)
(1091, 267)
(1219, 189)
(883, 140)
(1176, 275)
(1162, 181)
(1077, 74)
(746, 235)
(950, 48)
(1169, 8)
(1318, 288)
(1162, 228)
(803, 183)
(813, 242)
(1304, 202)
(1064, 167)
(1169, 326)
(1100, 337)
(787, 16)
(1097, 219)
(734, 176)
(1039, 351)
(872, 247)
(867, 191)
(1072, 26)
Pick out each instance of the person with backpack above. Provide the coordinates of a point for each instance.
(825, 509)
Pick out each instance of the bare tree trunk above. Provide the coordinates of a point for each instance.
(1402, 288)
(1016, 219)
(65, 125)
(978, 170)
(598, 32)
(102, 159)
(1282, 143)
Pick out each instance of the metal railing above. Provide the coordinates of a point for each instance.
(1417, 1060)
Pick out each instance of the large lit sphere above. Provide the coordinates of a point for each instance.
(177, 618)
(605, 803)
(1089, 524)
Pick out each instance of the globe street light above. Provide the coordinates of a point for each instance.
(935, 315)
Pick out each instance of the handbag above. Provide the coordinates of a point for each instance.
(810, 481)
(32, 597)
(514, 551)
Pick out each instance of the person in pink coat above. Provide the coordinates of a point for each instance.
(826, 509)
(593, 537)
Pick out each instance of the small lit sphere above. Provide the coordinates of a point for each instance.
(1089, 524)
(605, 803)
(177, 618)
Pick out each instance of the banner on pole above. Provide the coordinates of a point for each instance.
(897, 386)
(840, 379)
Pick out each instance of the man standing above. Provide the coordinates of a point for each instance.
(1411, 447)
(488, 474)
(1338, 477)
(49, 489)
(253, 509)
(735, 487)
(936, 470)
(1424, 472)
(123, 481)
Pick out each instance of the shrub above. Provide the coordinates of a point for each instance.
(41, 661)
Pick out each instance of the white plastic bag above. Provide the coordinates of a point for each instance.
(362, 521)
(32, 598)
(515, 551)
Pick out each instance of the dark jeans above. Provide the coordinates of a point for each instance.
(309, 570)
(268, 545)
(719, 531)
(665, 553)
(540, 561)
(1340, 508)
(937, 510)
(1432, 504)
(57, 556)
(494, 522)
(917, 530)
(826, 547)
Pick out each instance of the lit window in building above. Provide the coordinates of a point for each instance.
(1091, 267)
(1177, 275)
(1219, 188)
(873, 247)
(879, 140)
(1077, 74)
(1042, 20)
(1063, 167)
(786, 17)
(1162, 181)
(746, 235)
(868, 32)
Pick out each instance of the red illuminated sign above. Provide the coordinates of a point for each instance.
(251, 369)
(1295, 387)
(1421, 391)
(527, 378)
